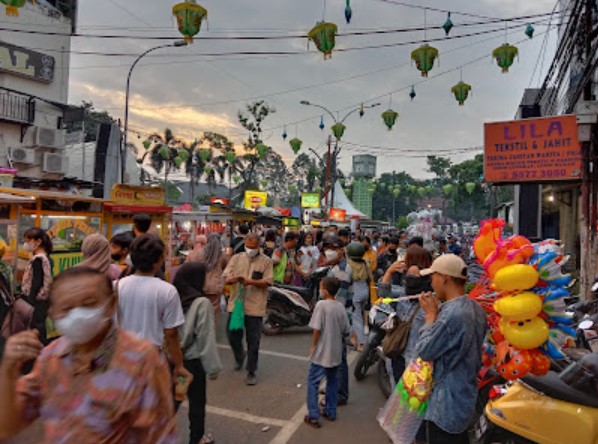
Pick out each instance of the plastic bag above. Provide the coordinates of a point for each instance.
(404, 411)
(237, 316)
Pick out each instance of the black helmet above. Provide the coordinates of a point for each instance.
(355, 250)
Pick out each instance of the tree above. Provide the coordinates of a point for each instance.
(306, 173)
(166, 152)
(92, 121)
(273, 174)
(439, 166)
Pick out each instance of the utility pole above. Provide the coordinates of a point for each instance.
(327, 181)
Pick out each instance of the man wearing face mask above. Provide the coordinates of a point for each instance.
(96, 383)
(389, 257)
(254, 271)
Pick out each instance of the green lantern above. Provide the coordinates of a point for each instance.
(230, 156)
(413, 188)
(13, 6)
(184, 155)
(323, 35)
(295, 144)
(263, 183)
(529, 30)
(236, 179)
(424, 57)
(338, 129)
(208, 170)
(189, 16)
(147, 144)
(261, 150)
(429, 189)
(505, 55)
(347, 191)
(390, 118)
(421, 191)
(382, 186)
(448, 25)
(178, 161)
(470, 187)
(396, 192)
(448, 189)
(204, 154)
(164, 152)
(371, 189)
(461, 92)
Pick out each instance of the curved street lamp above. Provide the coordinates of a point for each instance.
(176, 44)
(338, 133)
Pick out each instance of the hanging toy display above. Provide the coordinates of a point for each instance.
(524, 299)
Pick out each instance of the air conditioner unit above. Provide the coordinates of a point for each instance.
(48, 137)
(55, 163)
(22, 155)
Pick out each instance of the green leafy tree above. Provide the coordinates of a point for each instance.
(92, 120)
(439, 166)
(306, 173)
(166, 153)
(273, 174)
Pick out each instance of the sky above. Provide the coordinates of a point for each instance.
(190, 93)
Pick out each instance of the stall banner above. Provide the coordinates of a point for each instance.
(310, 200)
(64, 261)
(337, 214)
(255, 199)
(532, 150)
(63, 224)
(220, 201)
(291, 222)
(134, 195)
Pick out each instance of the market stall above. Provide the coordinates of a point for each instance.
(67, 218)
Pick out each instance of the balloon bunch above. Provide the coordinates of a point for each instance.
(524, 301)
(422, 224)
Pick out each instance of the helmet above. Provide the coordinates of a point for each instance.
(355, 250)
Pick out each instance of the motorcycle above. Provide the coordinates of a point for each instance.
(290, 306)
(551, 409)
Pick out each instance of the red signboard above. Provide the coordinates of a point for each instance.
(532, 150)
(220, 200)
(337, 214)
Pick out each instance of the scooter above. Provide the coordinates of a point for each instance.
(551, 409)
(290, 306)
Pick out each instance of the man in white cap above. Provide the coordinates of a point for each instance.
(452, 338)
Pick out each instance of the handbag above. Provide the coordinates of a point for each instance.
(18, 316)
(237, 316)
(395, 340)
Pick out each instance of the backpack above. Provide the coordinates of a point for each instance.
(395, 340)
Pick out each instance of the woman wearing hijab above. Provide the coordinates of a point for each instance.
(198, 342)
(98, 255)
(214, 259)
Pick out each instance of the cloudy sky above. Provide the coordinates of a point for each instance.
(192, 93)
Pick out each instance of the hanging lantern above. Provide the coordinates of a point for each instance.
(529, 30)
(396, 187)
(13, 6)
(284, 133)
(448, 189)
(505, 55)
(322, 126)
(424, 57)
(347, 191)
(461, 91)
(263, 183)
(396, 193)
(147, 144)
(261, 150)
(413, 188)
(323, 35)
(412, 92)
(448, 24)
(189, 16)
(470, 187)
(184, 154)
(295, 144)
(204, 154)
(338, 129)
(178, 161)
(230, 157)
(382, 186)
(236, 178)
(208, 170)
(421, 191)
(390, 118)
(348, 12)
(429, 189)
(361, 110)
(164, 152)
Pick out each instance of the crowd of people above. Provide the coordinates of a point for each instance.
(112, 344)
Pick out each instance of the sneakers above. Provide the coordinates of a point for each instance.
(239, 364)
(251, 379)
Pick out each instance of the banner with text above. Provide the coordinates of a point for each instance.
(532, 150)
(255, 199)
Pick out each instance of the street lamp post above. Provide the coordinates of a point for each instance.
(176, 44)
(332, 158)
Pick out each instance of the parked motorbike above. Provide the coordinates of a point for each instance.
(550, 409)
(290, 306)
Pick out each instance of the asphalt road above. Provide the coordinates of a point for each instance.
(272, 412)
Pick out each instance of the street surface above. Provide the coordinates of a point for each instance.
(272, 412)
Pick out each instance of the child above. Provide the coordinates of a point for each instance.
(330, 324)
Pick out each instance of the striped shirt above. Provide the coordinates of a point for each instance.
(122, 396)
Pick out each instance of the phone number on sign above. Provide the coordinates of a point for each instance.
(542, 174)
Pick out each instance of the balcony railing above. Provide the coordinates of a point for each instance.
(16, 108)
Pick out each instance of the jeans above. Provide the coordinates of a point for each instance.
(438, 436)
(314, 377)
(343, 379)
(197, 400)
(253, 334)
(358, 328)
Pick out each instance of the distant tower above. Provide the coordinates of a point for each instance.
(364, 169)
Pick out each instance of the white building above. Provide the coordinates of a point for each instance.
(34, 77)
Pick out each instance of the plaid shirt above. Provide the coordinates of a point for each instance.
(122, 396)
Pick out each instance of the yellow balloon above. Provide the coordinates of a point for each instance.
(519, 307)
(414, 403)
(515, 277)
(527, 334)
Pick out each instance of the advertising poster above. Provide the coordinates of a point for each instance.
(310, 200)
(255, 199)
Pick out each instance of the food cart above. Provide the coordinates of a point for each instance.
(67, 218)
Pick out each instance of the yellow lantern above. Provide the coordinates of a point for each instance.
(189, 16)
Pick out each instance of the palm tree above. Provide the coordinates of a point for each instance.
(165, 153)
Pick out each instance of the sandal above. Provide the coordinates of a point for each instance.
(208, 438)
(312, 422)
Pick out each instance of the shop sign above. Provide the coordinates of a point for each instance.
(255, 199)
(532, 150)
(337, 214)
(133, 195)
(64, 261)
(77, 224)
(27, 63)
(291, 222)
(310, 200)
(220, 201)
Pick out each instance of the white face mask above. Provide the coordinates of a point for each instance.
(331, 255)
(27, 246)
(82, 324)
(252, 252)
